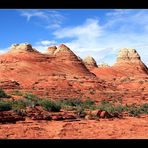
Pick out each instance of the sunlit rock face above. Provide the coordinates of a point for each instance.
(129, 62)
(51, 50)
(24, 47)
(90, 62)
(128, 55)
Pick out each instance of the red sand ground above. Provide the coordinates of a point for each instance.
(127, 128)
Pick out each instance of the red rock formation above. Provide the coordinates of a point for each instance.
(129, 74)
(70, 62)
(22, 63)
(128, 64)
(57, 76)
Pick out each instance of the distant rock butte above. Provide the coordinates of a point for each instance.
(90, 62)
(128, 55)
(129, 62)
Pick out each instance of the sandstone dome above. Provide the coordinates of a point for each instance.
(90, 62)
(23, 47)
(129, 62)
(128, 55)
(51, 50)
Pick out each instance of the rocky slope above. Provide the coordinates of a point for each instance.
(58, 73)
(129, 74)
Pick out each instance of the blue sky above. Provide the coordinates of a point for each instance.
(100, 33)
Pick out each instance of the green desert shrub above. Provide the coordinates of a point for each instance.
(119, 108)
(3, 94)
(71, 102)
(17, 93)
(80, 110)
(88, 104)
(30, 96)
(49, 105)
(75, 104)
(5, 105)
(134, 111)
(144, 108)
(110, 107)
(20, 104)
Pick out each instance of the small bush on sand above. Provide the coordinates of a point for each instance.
(71, 102)
(144, 108)
(5, 106)
(49, 105)
(110, 107)
(134, 110)
(30, 96)
(87, 104)
(19, 104)
(17, 93)
(3, 94)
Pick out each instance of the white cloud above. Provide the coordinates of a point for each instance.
(29, 14)
(83, 36)
(91, 28)
(46, 42)
(103, 41)
(86, 39)
(118, 12)
(52, 17)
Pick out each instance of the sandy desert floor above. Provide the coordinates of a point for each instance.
(126, 128)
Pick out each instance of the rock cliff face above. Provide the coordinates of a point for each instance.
(90, 62)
